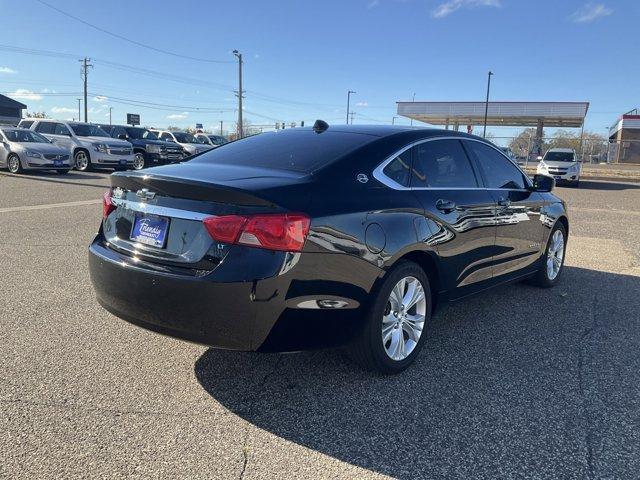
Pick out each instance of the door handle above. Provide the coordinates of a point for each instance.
(446, 206)
(504, 202)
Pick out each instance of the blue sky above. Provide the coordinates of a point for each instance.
(301, 57)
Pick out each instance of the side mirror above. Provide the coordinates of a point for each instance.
(543, 183)
(122, 136)
(539, 158)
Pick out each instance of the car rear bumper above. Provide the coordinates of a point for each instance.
(278, 312)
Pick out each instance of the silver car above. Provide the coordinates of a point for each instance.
(22, 149)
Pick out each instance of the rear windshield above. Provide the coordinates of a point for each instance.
(299, 150)
(559, 157)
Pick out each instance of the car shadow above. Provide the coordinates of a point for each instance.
(69, 178)
(506, 386)
(607, 185)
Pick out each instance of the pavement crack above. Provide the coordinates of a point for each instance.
(585, 340)
(104, 410)
(245, 442)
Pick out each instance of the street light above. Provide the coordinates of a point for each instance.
(486, 106)
(240, 93)
(348, 100)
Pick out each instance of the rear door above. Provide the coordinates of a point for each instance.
(459, 210)
(519, 231)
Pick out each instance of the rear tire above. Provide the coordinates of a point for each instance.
(395, 321)
(13, 164)
(552, 262)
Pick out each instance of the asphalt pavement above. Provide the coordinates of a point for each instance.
(515, 383)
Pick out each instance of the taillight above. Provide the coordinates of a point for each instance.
(277, 231)
(107, 204)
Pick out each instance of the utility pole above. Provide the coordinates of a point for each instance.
(352, 114)
(220, 127)
(110, 108)
(413, 100)
(486, 105)
(240, 93)
(79, 116)
(393, 120)
(85, 70)
(348, 101)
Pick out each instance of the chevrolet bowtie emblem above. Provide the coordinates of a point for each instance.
(145, 195)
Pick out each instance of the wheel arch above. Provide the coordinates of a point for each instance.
(427, 260)
(565, 222)
(83, 149)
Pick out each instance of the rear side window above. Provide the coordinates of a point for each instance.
(442, 164)
(61, 129)
(297, 150)
(25, 123)
(498, 170)
(399, 169)
(46, 127)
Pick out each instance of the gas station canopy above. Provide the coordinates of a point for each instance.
(501, 114)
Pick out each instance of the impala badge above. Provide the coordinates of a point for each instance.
(145, 195)
(362, 178)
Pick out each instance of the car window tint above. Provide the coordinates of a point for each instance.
(498, 170)
(296, 149)
(442, 164)
(45, 127)
(60, 129)
(25, 124)
(399, 169)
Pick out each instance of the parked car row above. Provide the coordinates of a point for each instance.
(60, 145)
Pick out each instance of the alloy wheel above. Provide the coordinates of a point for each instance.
(13, 164)
(82, 161)
(403, 318)
(138, 161)
(555, 254)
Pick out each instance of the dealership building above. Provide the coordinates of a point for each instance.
(10, 111)
(624, 139)
(498, 114)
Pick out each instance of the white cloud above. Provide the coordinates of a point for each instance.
(63, 110)
(362, 104)
(447, 8)
(46, 90)
(8, 70)
(100, 98)
(590, 12)
(24, 94)
(178, 116)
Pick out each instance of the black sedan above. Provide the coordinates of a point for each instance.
(321, 236)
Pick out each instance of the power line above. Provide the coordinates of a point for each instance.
(123, 38)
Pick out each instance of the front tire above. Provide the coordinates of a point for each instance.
(82, 161)
(13, 164)
(552, 262)
(139, 161)
(394, 331)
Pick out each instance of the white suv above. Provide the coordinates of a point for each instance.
(562, 164)
(190, 144)
(90, 146)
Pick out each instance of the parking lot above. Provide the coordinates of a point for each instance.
(515, 383)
